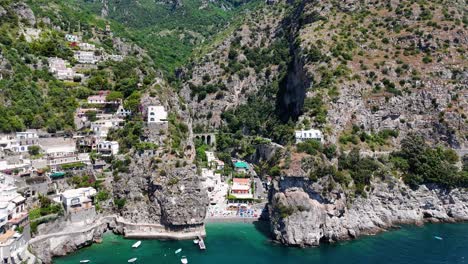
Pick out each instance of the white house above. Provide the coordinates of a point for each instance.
(108, 147)
(210, 157)
(60, 69)
(115, 57)
(77, 198)
(13, 214)
(101, 98)
(56, 161)
(303, 135)
(15, 163)
(57, 147)
(85, 57)
(71, 38)
(157, 114)
(26, 139)
(102, 127)
(8, 142)
(122, 112)
(86, 46)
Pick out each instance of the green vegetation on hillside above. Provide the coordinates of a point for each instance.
(421, 164)
(168, 31)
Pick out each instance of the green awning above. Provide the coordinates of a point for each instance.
(241, 165)
(57, 174)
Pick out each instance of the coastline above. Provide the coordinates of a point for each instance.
(232, 220)
(69, 242)
(47, 246)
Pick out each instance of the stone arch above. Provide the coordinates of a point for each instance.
(208, 140)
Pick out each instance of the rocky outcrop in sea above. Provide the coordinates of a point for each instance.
(305, 213)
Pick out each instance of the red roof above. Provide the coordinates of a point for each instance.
(243, 181)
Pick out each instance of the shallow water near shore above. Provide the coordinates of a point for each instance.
(239, 243)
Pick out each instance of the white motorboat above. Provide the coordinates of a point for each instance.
(196, 241)
(132, 260)
(137, 244)
(178, 251)
(84, 261)
(184, 260)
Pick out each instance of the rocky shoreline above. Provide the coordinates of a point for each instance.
(47, 246)
(303, 214)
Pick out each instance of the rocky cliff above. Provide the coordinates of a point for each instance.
(303, 213)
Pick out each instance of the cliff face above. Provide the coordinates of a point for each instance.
(302, 213)
(161, 186)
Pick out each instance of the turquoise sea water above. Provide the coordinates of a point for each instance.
(248, 243)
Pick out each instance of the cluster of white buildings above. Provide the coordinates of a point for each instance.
(13, 217)
(18, 142)
(54, 152)
(62, 70)
(86, 57)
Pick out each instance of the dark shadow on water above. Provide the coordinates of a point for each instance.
(264, 228)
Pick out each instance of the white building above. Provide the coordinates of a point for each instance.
(57, 147)
(87, 57)
(57, 161)
(8, 142)
(86, 46)
(122, 112)
(303, 135)
(77, 198)
(114, 57)
(108, 147)
(210, 157)
(12, 164)
(157, 114)
(13, 214)
(26, 139)
(71, 38)
(102, 127)
(60, 69)
(101, 98)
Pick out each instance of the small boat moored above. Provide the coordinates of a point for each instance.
(178, 251)
(438, 238)
(196, 241)
(84, 261)
(184, 260)
(137, 244)
(132, 260)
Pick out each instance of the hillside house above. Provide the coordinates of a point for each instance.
(101, 98)
(241, 188)
(71, 38)
(108, 148)
(13, 214)
(157, 114)
(102, 127)
(122, 112)
(77, 198)
(303, 135)
(8, 142)
(26, 139)
(87, 46)
(241, 167)
(86, 57)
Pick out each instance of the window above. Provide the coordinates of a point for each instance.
(152, 113)
(152, 119)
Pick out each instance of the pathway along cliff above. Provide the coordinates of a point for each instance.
(304, 213)
(77, 236)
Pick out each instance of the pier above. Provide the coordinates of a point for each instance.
(201, 243)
